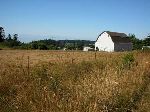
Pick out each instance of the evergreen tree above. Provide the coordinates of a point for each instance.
(15, 38)
(2, 34)
(9, 38)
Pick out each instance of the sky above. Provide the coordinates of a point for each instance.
(74, 19)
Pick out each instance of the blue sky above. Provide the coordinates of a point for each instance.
(74, 19)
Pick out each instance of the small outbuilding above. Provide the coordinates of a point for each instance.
(145, 47)
(113, 41)
(88, 49)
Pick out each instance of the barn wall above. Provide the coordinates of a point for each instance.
(122, 46)
(104, 43)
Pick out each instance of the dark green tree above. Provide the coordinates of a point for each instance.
(9, 38)
(146, 41)
(34, 45)
(15, 38)
(15, 41)
(2, 34)
(70, 46)
(137, 43)
(42, 46)
(79, 45)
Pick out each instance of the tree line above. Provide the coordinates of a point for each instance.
(139, 43)
(11, 41)
(49, 44)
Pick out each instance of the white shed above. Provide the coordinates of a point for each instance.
(145, 47)
(88, 49)
(113, 41)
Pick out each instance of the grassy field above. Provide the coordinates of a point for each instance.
(71, 81)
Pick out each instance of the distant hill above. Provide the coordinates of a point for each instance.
(58, 44)
(85, 42)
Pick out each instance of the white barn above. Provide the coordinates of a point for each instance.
(113, 41)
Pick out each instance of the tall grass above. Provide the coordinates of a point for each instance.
(113, 82)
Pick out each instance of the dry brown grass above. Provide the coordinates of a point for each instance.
(57, 81)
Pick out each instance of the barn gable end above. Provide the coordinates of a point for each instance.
(113, 41)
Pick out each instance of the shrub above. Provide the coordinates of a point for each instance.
(128, 60)
(42, 46)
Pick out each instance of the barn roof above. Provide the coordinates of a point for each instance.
(118, 37)
(116, 34)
